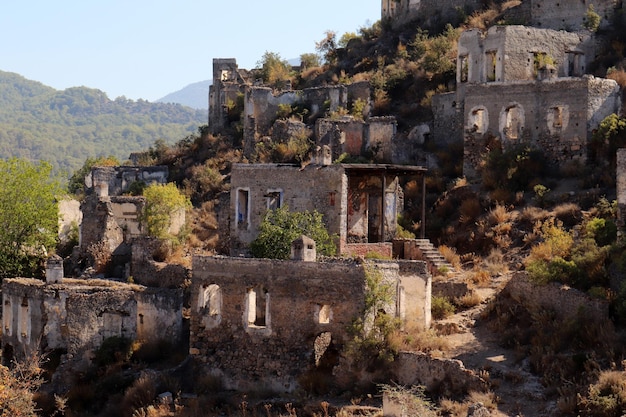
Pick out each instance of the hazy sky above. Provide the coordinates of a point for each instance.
(147, 49)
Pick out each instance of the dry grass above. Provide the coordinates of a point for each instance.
(468, 300)
(480, 277)
(416, 340)
(619, 75)
(460, 409)
(483, 19)
(500, 214)
(450, 255)
(495, 263)
(533, 214)
(569, 213)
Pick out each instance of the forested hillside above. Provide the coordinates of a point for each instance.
(65, 127)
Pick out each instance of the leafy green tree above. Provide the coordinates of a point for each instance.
(280, 227)
(309, 61)
(163, 202)
(346, 38)
(274, 69)
(28, 214)
(592, 19)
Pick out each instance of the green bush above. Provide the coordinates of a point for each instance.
(113, 350)
(162, 203)
(441, 307)
(281, 227)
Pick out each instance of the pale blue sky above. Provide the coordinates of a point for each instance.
(147, 49)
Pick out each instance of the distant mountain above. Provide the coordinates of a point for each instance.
(65, 127)
(195, 95)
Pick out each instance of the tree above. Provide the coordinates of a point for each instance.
(309, 60)
(280, 227)
(28, 214)
(327, 47)
(274, 69)
(163, 203)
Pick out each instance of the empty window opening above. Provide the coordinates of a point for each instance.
(463, 68)
(490, 61)
(274, 199)
(324, 313)
(7, 318)
(243, 207)
(210, 300)
(575, 64)
(557, 121)
(478, 121)
(225, 76)
(23, 323)
(541, 60)
(513, 123)
(257, 306)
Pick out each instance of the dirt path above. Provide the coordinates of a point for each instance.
(519, 392)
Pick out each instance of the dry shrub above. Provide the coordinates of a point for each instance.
(468, 300)
(607, 397)
(500, 214)
(453, 408)
(619, 75)
(502, 195)
(142, 393)
(480, 277)
(450, 255)
(204, 226)
(416, 340)
(568, 213)
(495, 263)
(382, 102)
(470, 209)
(483, 19)
(533, 214)
(99, 255)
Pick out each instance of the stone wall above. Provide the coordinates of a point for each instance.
(427, 12)
(437, 375)
(566, 302)
(511, 53)
(147, 266)
(556, 116)
(621, 189)
(115, 181)
(77, 315)
(255, 187)
(265, 323)
(383, 249)
(570, 15)
(296, 293)
(447, 119)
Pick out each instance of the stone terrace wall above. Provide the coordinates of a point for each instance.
(275, 355)
(565, 301)
(429, 12)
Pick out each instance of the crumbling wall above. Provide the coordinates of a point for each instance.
(566, 302)
(427, 12)
(78, 315)
(115, 181)
(447, 119)
(147, 266)
(303, 302)
(228, 82)
(512, 53)
(571, 15)
(437, 375)
(556, 116)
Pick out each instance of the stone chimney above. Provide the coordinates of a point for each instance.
(54, 270)
(303, 249)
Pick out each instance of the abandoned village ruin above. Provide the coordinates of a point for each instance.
(526, 83)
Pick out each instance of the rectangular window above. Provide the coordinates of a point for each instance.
(7, 316)
(463, 68)
(243, 208)
(257, 304)
(274, 199)
(490, 62)
(23, 323)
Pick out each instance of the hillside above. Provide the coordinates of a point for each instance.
(194, 95)
(65, 127)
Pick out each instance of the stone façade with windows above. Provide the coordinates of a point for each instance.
(524, 85)
(359, 202)
(269, 322)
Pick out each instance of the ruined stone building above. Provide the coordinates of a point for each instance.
(519, 84)
(111, 220)
(551, 14)
(359, 202)
(262, 322)
(261, 105)
(74, 316)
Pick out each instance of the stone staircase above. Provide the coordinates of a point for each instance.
(429, 253)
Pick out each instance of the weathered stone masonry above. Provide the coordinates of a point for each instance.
(267, 321)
